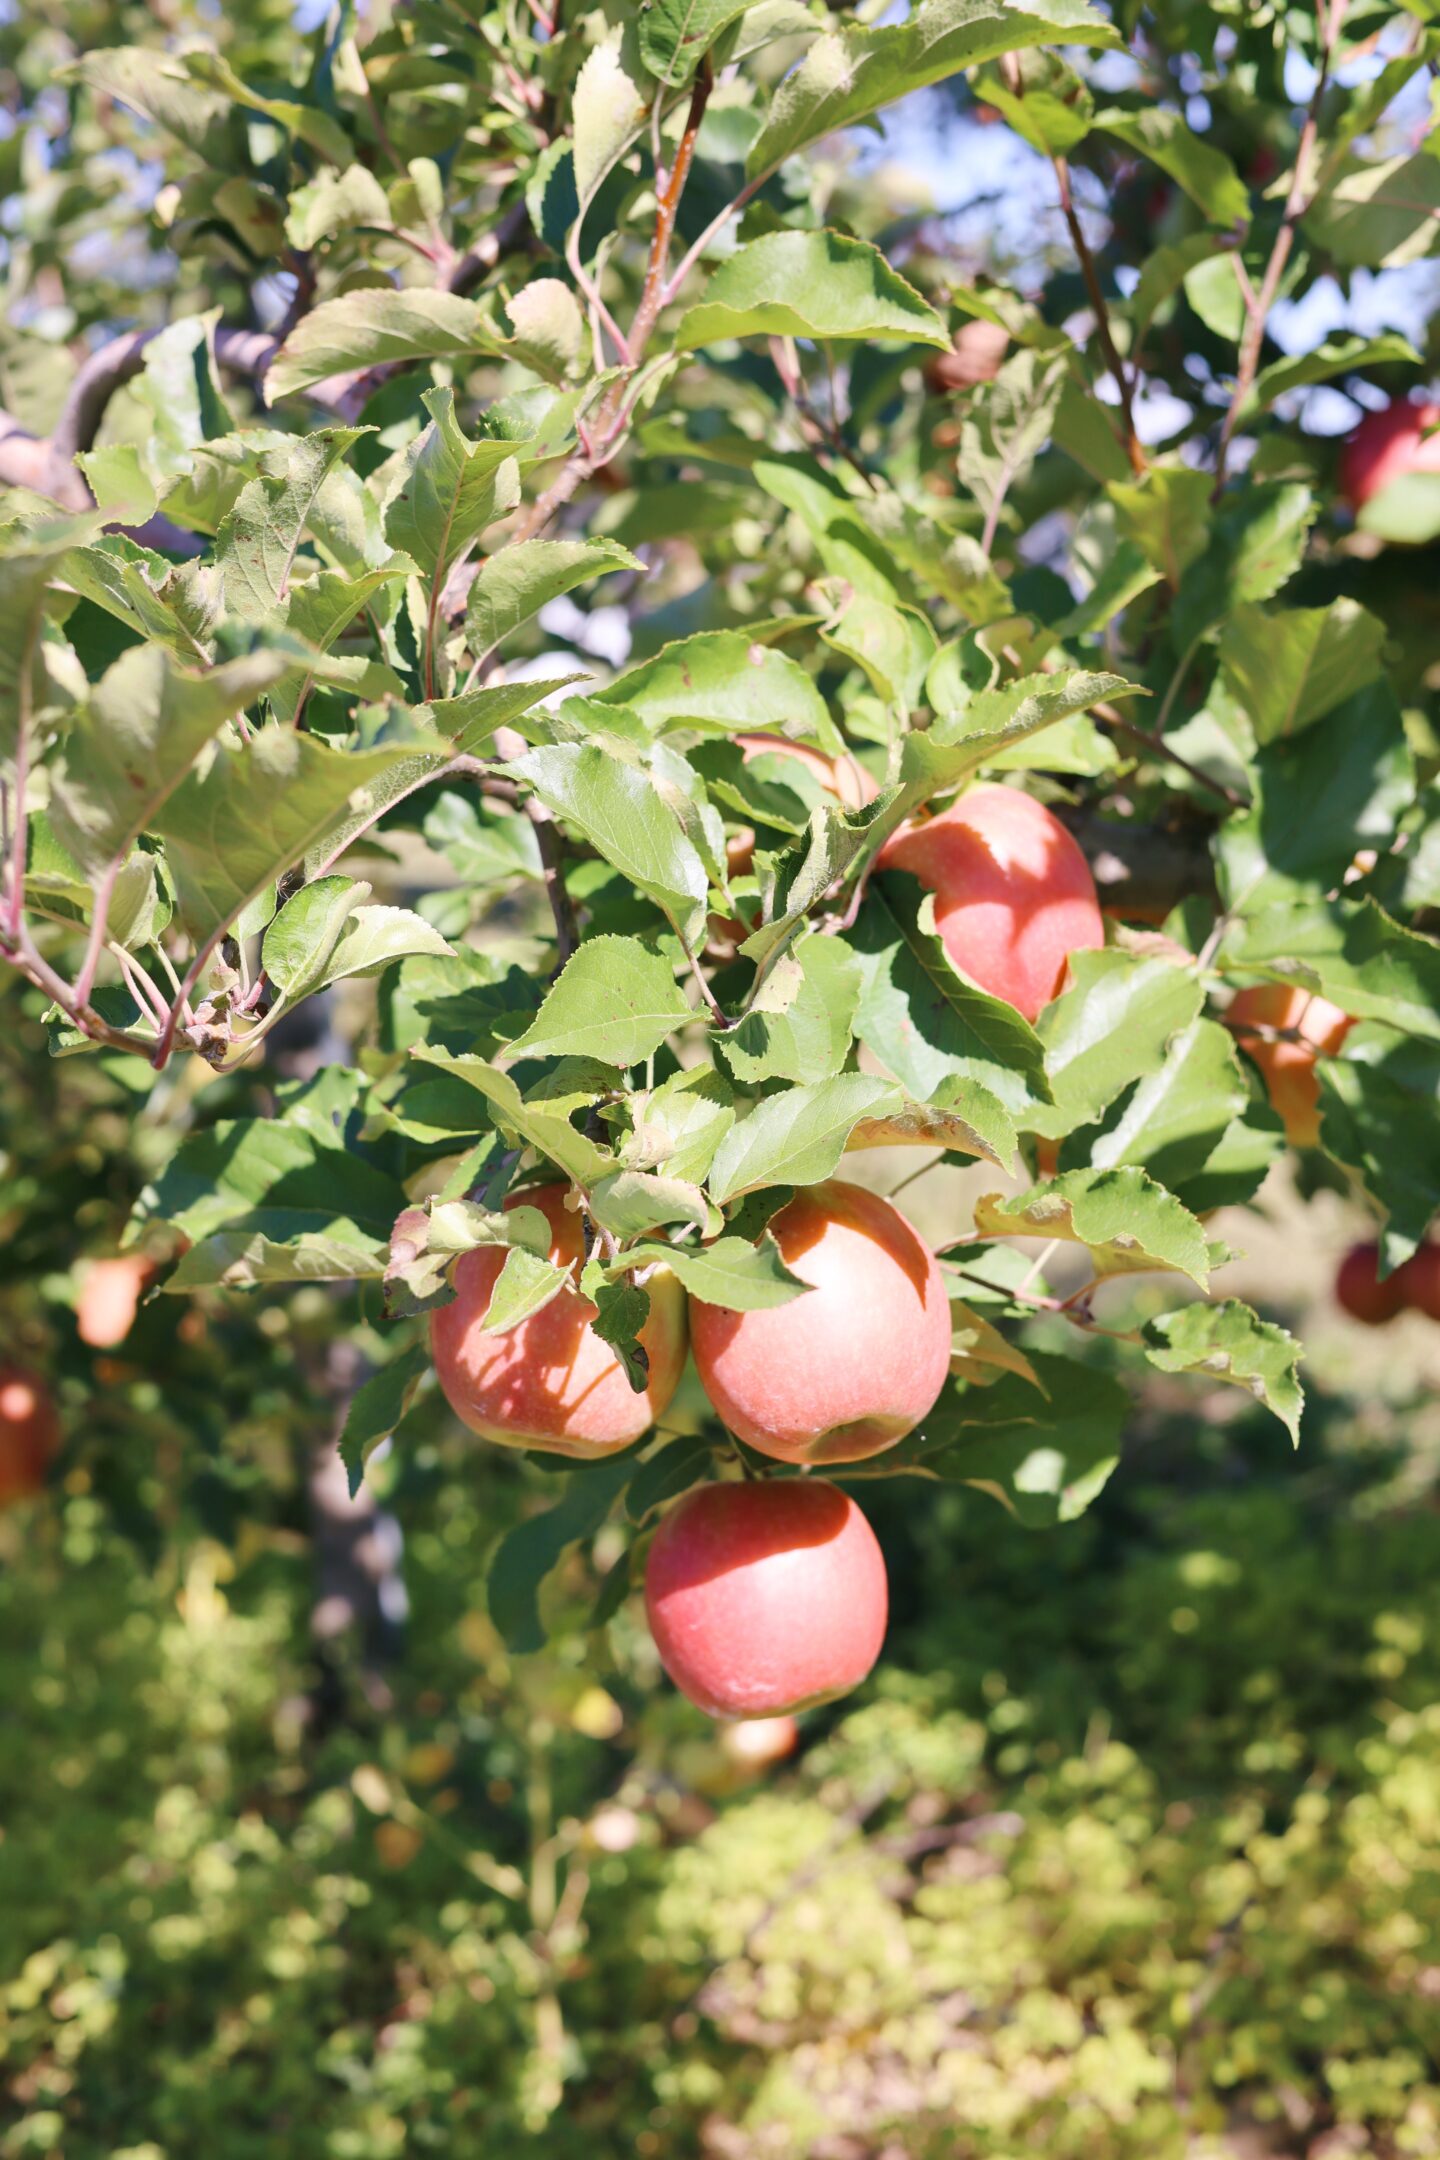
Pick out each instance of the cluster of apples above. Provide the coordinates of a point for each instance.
(770, 1595)
(1412, 1287)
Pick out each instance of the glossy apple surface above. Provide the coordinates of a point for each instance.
(766, 1598)
(551, 1382)
(1013, 892)
(852, 1366)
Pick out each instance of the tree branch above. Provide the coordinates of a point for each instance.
(1103, 330)
(1297, 202)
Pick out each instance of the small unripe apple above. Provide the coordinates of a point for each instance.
(1014, 897)
(1360, 1292)
(976, 353)
(1288, 1068)
(29, 1434)
(1419, 1281)
(766, 1598)
(551, 1382)
(109, 1297)
(1386, 446)
(852, 1366)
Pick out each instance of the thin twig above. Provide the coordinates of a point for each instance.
(552, 863)
(652, 298)
(1116, 365)
(1297, 202)
(1160, 748)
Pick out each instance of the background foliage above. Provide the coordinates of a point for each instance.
(1130, 1843)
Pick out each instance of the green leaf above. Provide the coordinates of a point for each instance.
(517, 582)
(923, 1021)
(377, 1407)
(29, 557)
(722, 679)
(1113, 1026)
(607, 110)
(374, 326)
(679, 1125)
(180, 388)
(549, 328)
(541, 1124)
(672, 1470)
(1381, 1117)
(798, 1025)
(335, 202)
(447, 489)
(1407, 510)
(796, 1137)
(1228, 1342)
(1286, 667)
(1007, 423)
(482, 844)
(812, 284)
(675, 35)
(1044, 1457)
(526, 1554)
(1342, 786)
(256, 542)
(1168, 514)
(730, 1271)
(161, 90)
(1341, 356)
(1378, 216)
(306, 122)
(252, 813)
(525, 1285)
(894, 646)
(853, 72)
(1129, 1223)
(621, 812)
(962, 1117)
(992, 722)
(142, 728)
(628, 1202)
(1045, 102)
(613, 1001)
(1205, 173)
(1352, 952)
(1174, 1119)
(1254, 547)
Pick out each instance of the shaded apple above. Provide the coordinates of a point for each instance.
(1288, 1068)
(851, 1367)
(1014, 897)
(29, 1434)
(551, 1382)
(1360, 1292)
(766, 1597)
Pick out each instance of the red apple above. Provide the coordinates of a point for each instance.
(1419, 1281)
(29, 1434)
(551, 1382)
(1013, 892)
(1288, 1068)
(1386, 446)
(109, 1297)
(976, 353)
(764, 1598)
(851, 1367)
(1360, 1292)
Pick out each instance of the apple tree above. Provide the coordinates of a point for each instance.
(525, 569)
